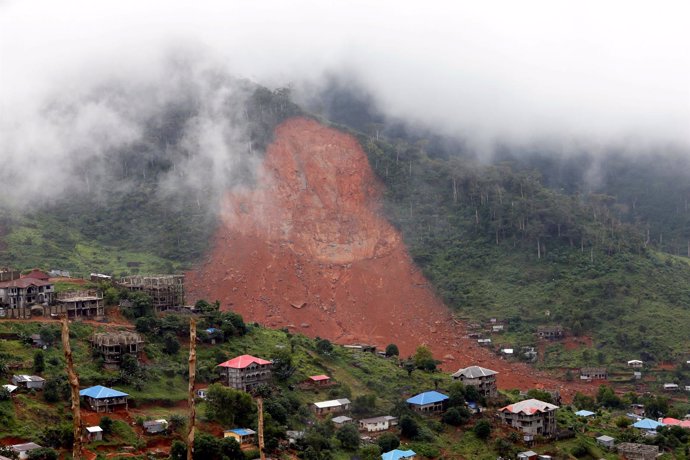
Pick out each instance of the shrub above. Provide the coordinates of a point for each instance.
(482, 429)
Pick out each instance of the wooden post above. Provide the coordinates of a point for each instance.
(74, 385)
(192, 379)
(260, 407)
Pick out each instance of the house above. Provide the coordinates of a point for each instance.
(484, 380)
(377, 423)
(584, 413)
(37, 341)
(100, 277)
(670, 421)
(508, 351)
(428, 402)
(648, 425)
(10, 388)
(484, 342)
(671, 387)
(528, 455)
(637, 409)
(155, 426)
(212, 335)
(341, 421)
(166, 291)
(531, 416)
(331, 407)
(57, 273)
(319, 380)
(606, 441)
(23, 449)
(396, 454)
(635, 363)
(637, 375)
(497, 328)
(246, 372)
(243, 436)
(19, 294)
(113, 346)
(594, 373)
(82, 304)
(201, 393)
(30, 382)
(93, 433)
(634, 451)
(103, 399)
(550, 332)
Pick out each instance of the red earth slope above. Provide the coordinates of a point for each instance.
(307, 249)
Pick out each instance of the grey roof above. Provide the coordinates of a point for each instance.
(474, 372)
(383, 418)
(341, 419)
(25, 447)
(605, 438)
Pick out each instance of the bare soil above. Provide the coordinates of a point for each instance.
(306, 248)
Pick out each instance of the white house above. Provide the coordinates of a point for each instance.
(23, 449)
(636, 363)
(377, 423)
(29, 381)
(94, 433)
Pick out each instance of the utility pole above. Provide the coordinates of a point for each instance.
(74, 385)
(192, 380)
(260, 407)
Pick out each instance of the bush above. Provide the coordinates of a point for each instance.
(409, 428)
(482, 429)
(456, 416)
(392, 350)
(348, 437)
(171, 345)
(39, 362)
(44, 453)
(324, 346)
(388, 442)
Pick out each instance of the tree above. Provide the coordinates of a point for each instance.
(409, 428)
(456, 416)
(178, 450)
(388, 442)
(4, 394)
(171, 344)
(56, 389)
(106, 425)
(364, 404)
(423, 359)
(229, 406)
(39, 362)
(324, 346)
(9, 453)
(142, 305)
(348, 437)
(44, 453)
(482, 429)
(282, 365)
(370, 452)
(409, 366)
(582, 401)
(392, 350)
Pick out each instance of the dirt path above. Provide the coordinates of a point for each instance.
(307, 249)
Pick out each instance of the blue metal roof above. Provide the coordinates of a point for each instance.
(398, 454)
(101, 392)
(428, 397)
(647, 424)
(241, 431)
(211, 330)
(584, 413)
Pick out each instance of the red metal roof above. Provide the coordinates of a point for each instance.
(243, 361)
(318, 378)
(37, 274)
(24, 283)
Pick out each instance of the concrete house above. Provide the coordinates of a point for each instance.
(634, 451)
(113, 346)
(635, 363)
(93, 433)
(594, 373)
(397, 454)
(341, 420)
(166, 291)
(243, 436)
(23, 449)
(374, 424)
(606, 441)
(484, 380)
(332, 406)
(103, 399)
(82, 304)
(428, 402)
(155, 426)
(30, 382)
(319, 380)
(17, 296)
(550, 332)
(530, 416)
(246, 372)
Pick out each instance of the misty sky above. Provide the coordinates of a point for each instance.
(604, 72)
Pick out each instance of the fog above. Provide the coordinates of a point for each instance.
(583, 73)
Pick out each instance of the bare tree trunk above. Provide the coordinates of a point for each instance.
(192, 380)
(538, 249)
(260, 407)
(74, 386)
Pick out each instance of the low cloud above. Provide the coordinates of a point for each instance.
(81, 79)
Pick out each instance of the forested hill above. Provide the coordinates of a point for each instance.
(497, 242)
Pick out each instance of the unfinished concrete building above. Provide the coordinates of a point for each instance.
(113, 346)
(81, 304)
(166, 291)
